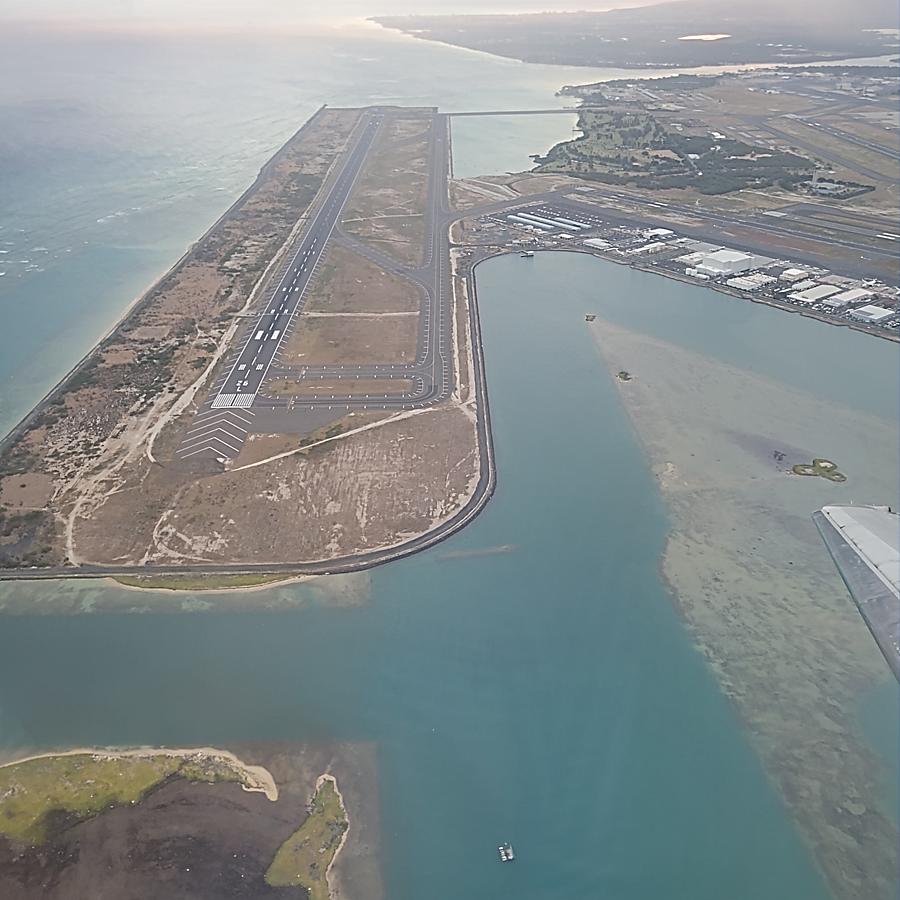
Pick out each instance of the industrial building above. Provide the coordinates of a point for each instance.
(814, 294)
(653, 247)
(793, 275)
(725, 262)
(750, 282)
(871, 315)
(848, 298)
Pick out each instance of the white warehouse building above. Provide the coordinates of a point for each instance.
(814, 294)
(725, 262)
(872, 315)
(848, 298)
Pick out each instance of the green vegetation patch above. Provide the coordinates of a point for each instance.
(823, 468)
(303, 859)
(38, 795)
(199, 582)
(633, 147)
(79, 786)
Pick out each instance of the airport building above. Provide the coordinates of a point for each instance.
(653, 247)
(871, 315)
(724, 262)
(750, 282)
(848, 298)
(814, 294)
(793, 275)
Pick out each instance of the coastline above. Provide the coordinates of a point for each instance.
(143, 297)
(333, 890)
(258, 779)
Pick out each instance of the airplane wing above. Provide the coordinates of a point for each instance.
(864, 542)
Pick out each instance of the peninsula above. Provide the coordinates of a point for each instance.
(302, 393)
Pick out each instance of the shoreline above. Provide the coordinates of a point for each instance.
(719, 289)
(113, 581)
(325, 777)
(666, 68)
(135, 305)
(261, 780)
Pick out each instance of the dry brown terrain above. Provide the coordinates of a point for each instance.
(360, 341)
(354, 493)
(388, 205)
(347, 282)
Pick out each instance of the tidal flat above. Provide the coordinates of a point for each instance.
(756, 587)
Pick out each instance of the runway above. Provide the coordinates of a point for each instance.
(238, 404)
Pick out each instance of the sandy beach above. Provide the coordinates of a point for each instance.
(756, 587)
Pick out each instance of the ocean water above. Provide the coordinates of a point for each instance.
(547, 695)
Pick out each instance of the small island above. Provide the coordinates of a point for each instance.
(306, 857)
(823, 468)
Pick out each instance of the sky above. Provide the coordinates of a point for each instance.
(268, 12)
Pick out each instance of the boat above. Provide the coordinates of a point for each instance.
(527, 254)
(507, 854)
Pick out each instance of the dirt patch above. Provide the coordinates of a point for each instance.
(357, 493)
(31, 490)
(319, 342)
(347, 282)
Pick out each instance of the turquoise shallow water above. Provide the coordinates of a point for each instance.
(547, 695)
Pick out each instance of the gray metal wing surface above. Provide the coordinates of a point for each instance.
(864, 542)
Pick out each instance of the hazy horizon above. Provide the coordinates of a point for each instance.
(231, 13)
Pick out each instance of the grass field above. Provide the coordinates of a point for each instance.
(80, 786)
(347, 282)
(303, 859)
